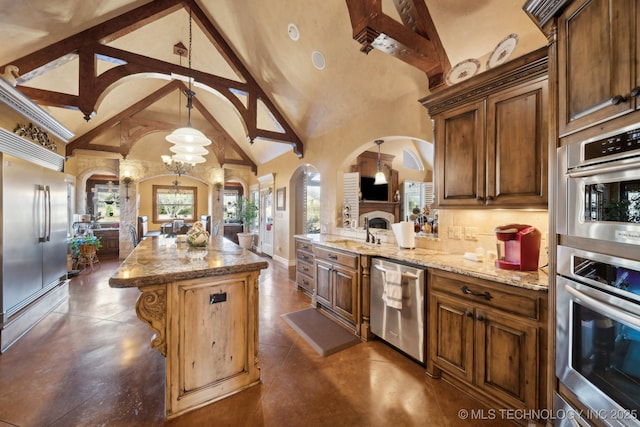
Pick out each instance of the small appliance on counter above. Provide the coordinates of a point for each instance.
(518, 247)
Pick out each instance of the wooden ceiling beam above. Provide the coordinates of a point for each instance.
(89, 45)
(417, 44)
(132, 129)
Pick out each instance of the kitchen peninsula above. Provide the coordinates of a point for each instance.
(203, 305)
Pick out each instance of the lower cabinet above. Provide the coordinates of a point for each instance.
(305, 278)
(488, 338)
(337, 283)
(110, 240)
(211, 339)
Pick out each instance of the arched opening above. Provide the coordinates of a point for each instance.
(305, 184)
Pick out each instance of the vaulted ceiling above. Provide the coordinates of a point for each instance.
(115, 74)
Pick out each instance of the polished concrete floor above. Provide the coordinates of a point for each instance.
(89, 363)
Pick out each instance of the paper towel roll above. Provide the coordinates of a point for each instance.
(405, 234)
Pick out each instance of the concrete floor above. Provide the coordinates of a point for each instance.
(89, 363)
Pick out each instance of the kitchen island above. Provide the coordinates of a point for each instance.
(202, 303)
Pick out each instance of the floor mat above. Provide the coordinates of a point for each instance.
(324, 335)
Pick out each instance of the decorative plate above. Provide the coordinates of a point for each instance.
(462, 71)
(503, 51)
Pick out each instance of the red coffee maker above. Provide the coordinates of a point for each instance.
(518, 247)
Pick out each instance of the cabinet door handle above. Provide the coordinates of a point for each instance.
(305, 283)
(333, 257)
(480, 199)
(479, 317)
(468, 313)
(304, 257)
(465, 290)
(489, 197)
(306, 269)
(635, 91)
(618, 99)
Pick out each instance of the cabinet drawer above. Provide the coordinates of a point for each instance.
(305, 282)
(481, 292)
(304, 245)
(304, 256)
(335, 257)
(305, 268)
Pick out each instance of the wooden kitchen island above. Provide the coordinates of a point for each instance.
(202, 303)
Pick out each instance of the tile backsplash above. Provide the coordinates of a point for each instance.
(469, 230)
(462, 230)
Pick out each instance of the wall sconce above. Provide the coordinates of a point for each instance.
(127, 180)
(219, 178)
(218, 187)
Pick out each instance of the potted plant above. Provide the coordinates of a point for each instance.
(88, 239)
(247, 212)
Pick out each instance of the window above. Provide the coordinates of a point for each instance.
(106, 200)
(231, 199)
(174, 202)
(312, 205)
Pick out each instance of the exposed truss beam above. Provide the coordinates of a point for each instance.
(133, 128)
(90, 44)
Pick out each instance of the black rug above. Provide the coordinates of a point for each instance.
(324, 335)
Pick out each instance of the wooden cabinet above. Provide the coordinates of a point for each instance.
(305, 274)
(488, 339)
(491, 137)
(211, 338)
(460, 155)
(598, 62)
(110, 240)
(337, 283)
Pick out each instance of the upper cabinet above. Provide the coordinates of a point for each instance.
(491, 137)
(598, 62)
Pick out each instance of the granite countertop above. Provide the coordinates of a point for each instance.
(429, 258)
(159, 259)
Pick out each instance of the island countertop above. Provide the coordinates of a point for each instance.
(159, 259)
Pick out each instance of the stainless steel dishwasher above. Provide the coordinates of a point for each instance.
(403, 328)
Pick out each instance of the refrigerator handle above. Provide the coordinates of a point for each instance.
(42, 214)
(47, 194)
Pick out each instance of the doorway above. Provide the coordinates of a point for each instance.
(266, 220)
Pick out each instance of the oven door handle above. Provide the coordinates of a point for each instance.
(594, 304)
(613, 166)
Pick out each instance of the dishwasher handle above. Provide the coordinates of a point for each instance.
(407, 275)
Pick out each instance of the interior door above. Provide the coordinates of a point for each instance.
(266, 220)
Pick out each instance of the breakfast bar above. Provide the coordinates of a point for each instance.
(202, 304)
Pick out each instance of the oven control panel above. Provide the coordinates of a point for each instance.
(620, 143)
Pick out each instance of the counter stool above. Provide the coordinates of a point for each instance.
(87, 256)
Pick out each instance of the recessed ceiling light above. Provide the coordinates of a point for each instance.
(294, 34)
(318, 60)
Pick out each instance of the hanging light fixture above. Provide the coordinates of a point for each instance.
(188, 142)
(380, 177)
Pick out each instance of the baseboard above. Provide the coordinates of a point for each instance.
(21, 322)
(283, 261)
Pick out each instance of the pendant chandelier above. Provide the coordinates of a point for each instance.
(380, 176)
(188, 142)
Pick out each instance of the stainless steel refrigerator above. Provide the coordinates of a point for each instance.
(33, 235)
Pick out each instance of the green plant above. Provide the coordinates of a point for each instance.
(248, 212)
(89, 239)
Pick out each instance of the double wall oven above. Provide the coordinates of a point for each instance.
(598, 280)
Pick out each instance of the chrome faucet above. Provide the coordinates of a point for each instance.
(366, 229)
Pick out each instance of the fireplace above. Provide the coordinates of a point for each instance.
(377, 219)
